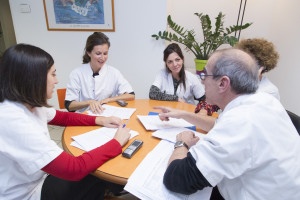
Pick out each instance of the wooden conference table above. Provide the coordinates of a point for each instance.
(119, 169)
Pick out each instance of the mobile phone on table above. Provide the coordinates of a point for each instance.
(132, 148)
(122, 103)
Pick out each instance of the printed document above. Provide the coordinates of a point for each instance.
(146, 182)
(93, 139)
(123, 113)
(152, 122)
(171, 133)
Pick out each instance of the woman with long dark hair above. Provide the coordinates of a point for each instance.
(28, 155)
(174, 83)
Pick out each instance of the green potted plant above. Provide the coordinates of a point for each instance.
(212, 39)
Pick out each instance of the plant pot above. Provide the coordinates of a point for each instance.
(200, 64)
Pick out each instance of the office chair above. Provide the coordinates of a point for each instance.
(61, 95)
(295, 119)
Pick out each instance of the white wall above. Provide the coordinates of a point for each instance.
(139, 57)
(133, 51)
(274, 20)
(285, 32)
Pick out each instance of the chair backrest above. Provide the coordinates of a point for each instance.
(295, 119)
(61, 95)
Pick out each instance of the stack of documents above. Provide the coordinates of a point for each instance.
(146, 182)
(123, 113)
(171, 133)
(96, 138)
(152, 122)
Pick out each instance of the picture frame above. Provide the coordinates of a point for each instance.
(79, 15)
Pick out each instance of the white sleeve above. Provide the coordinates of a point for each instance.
(158, 80)
(27, 143)
(123, 85)
(224, 151)
(73, 87)
(51, 112)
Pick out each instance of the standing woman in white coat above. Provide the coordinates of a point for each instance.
(174, 83)
(32, 165)
(95, 82)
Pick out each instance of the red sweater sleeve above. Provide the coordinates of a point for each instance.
(72, 119)
(73, 168)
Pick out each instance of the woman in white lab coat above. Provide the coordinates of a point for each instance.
(28, 155)
(267, 58)
(174, 83)
(95, 82)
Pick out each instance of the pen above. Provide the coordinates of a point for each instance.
(125, 123)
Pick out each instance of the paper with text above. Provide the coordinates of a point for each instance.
(146, 182)
(171, 133)
(123, 113)
(152, 122)
(93, 139)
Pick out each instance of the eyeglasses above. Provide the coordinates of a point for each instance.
(203, 75)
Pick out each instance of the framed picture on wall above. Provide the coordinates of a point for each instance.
(79, 15)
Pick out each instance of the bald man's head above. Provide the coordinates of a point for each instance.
(240, 67)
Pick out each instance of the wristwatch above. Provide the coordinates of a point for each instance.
(181, 144)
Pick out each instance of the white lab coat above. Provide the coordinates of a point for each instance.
(83, 86)
(194, 87)
(252, 152)
(267, 86)
(26, 148)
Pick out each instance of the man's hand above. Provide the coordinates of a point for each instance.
(95, 106)
(188, 137)
(122, 135)
(110, 122)
(169, 112)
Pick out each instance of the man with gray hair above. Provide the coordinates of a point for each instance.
(252, 151)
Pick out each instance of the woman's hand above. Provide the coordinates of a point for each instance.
(122, 135)
(95, 106)
(110, 122)
(107, 100)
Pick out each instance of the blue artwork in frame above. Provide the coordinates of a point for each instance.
(89, 15)
(79, 12)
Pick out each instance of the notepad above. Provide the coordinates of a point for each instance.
(152, 122)
(93, 139)
(123, 113)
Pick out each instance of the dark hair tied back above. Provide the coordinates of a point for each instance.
(97, 38)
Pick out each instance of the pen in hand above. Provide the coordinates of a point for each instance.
(125, 123)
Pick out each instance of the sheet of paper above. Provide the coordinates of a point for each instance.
(123, 113)
(146, 182)
(171, 133)
(152, 122)
(96, 138)
(75, 144)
